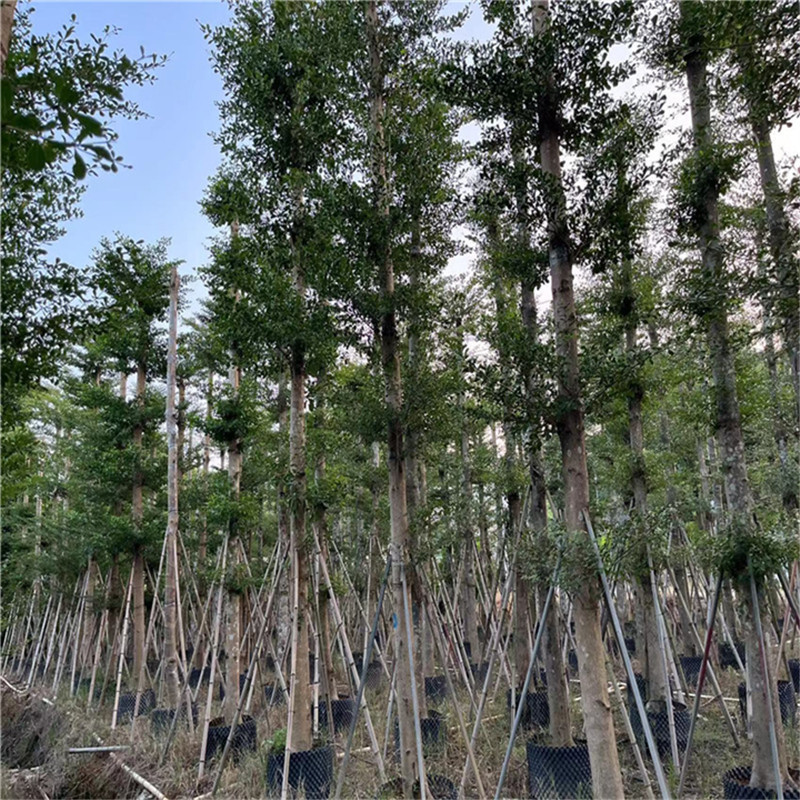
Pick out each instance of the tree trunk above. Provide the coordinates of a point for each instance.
(782, 251)
(394, 401)
(171, 578)
(598, 720)
(137, 511)
(6, 26)
(728, 420)
(283, 609)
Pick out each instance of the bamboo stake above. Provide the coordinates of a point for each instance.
(122, 651)
(214, 646)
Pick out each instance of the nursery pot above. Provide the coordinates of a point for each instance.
(727, 660)
(198, 676)
(244, 737)
(642, 684)
(432, 728)
(691, 668)
(436, 688)
(343, 711)
(536, 712)
(786, 700)
(242, 679)
(439, 788)
(374, 675)
(572, 660)
(313, 769)
(659, 724)
(555, 772)
(736, 786)
(161, 718)
(127, 702)
(794, 671)
(274, 694)
(479, 671)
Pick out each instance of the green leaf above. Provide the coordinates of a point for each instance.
(79, 167)
(36, 156)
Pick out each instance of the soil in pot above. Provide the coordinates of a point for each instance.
(127, 702)
(439, 788)
(536, 713)
(310, 769)
(659, 724)
(736, 786)
(556, 772)
(244, 738)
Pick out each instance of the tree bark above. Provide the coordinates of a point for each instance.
(598, 720)
(171, 578)
(393, 387)
(137, 512)
(728, 419)
(6, 26)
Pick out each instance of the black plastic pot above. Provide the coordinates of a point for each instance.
(787, 700)
(727, 660)
(242, 679)
(736, 786)
(245, 736)
(343, 710)
(536, 713)
(127, 702)
(311, 769)
(572, 660)
(479, 671)
(374, 675)
(468, 650)
(433, 732)
(794, 671)
(659, 724)
(630, 645)
(439, 788)
(436, 688)
(642, 684)
(161, 718)
(555, 772)
(691, 668)
(197, 676)
(274, 694)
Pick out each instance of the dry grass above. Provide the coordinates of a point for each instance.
(37, 735)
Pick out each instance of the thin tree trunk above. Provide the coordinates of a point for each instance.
(598, 720)
(137, 511)
(728, 419)
(390, 359)
(171, 577)
(6, 26)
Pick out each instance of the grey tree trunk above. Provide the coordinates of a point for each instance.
(598, 721)
(171, 577)
(390, 359)
(728, 420)
(137, 512)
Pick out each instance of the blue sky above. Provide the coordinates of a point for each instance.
(171, 155)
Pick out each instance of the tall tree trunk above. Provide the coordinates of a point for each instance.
(598, 720)
(394, 400)
(171, 582)
(137, 511)
(202, 549)
(6, 26)
(728, 419)
(283, 610)
(782, 251)
(233, 606)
